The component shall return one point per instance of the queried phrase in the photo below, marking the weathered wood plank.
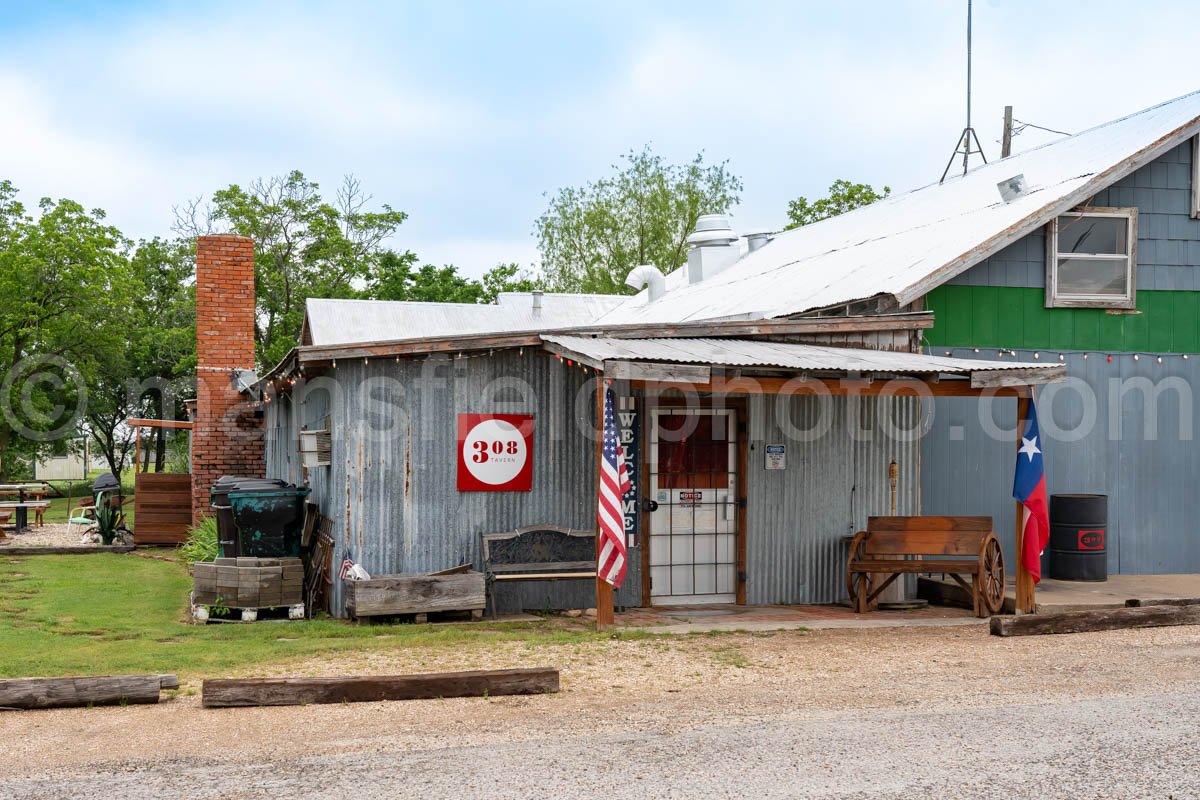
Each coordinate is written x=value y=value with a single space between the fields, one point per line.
x=83 y=691
x=1101 y=620
x=416 y=594
x=983 y=524
x=17 y=550
x=1163 y=601
x=241 y=692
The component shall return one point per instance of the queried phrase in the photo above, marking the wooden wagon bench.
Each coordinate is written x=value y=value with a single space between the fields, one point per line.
x=954 y=546
x=537 y=553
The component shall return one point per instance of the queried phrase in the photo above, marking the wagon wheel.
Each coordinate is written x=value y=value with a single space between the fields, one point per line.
x=859 y=584
x=993 y=577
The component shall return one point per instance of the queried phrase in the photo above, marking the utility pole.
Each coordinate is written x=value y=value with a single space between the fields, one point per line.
x=1006 y=140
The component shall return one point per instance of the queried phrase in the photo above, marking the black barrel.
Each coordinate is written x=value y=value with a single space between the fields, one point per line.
x=1079 y=537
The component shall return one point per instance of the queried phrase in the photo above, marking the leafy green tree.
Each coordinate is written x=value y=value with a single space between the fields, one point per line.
x=63 y=296
x=843 y=196
x=398 y=278
x=591 y=236
x=150 y=369
x=506 y=278
x=305 y=246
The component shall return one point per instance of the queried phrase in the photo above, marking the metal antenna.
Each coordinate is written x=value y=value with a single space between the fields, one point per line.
x=968 y=135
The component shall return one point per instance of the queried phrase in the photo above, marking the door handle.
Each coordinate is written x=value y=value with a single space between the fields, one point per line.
x=649 y=506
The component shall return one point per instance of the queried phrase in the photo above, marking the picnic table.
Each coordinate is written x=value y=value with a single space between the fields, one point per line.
x=21 y=508
x=24 y=491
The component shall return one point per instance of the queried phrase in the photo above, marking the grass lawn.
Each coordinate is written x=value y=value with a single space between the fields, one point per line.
x=108 y=614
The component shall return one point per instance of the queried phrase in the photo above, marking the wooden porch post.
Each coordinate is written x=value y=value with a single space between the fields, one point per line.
x=1026 y=601
x=604 y=590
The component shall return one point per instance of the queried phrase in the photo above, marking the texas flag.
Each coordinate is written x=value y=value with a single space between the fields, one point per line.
x=1029 y=488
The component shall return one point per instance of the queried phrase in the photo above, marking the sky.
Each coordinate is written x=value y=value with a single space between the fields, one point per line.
x=466 y=115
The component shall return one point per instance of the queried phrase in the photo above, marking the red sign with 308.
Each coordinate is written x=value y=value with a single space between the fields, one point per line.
x=495 y=452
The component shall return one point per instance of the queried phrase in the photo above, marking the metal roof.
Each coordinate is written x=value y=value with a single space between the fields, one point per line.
x=333 y=322
x=907 y=244
x=757 y=353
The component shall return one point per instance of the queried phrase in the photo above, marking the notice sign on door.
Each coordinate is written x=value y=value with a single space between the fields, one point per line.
x=777 y=456
x=495 y=452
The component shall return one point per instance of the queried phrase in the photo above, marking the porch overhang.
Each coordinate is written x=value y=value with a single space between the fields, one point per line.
x=752 y=366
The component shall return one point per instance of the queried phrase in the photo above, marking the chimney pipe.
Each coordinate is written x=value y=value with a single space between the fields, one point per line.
x=537 y=302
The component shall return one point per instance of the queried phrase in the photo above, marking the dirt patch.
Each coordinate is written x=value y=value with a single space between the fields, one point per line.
x=661 y=684
x=51 y=535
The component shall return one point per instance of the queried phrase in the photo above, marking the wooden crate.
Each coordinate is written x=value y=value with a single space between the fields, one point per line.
x=248 y=583
x=418 y=594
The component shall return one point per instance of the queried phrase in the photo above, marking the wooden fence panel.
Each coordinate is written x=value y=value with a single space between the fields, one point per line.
x=162 y=507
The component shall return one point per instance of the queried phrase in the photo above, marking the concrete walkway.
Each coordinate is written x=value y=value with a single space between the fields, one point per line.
x=1054 y=596
x=727 y=618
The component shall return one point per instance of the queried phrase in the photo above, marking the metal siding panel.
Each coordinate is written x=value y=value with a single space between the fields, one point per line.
x=797 y=518
x=391 y=489
x=1150 y=483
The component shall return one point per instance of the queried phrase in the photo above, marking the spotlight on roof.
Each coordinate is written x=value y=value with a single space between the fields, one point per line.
x=1012 y=188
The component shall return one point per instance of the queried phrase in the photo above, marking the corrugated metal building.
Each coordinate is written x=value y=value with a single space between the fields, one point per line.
x=759 y=511
x=738 y=497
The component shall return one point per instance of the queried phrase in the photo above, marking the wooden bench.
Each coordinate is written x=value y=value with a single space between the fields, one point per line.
x=954 y=546
x=537 y=553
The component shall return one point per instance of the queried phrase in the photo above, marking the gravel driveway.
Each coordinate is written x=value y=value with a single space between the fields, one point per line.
x=845 y=714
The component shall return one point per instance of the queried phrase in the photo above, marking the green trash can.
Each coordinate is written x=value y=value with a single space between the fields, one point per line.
x=269 y=521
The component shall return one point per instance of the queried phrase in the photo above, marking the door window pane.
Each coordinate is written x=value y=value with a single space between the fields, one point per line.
x=693 y=451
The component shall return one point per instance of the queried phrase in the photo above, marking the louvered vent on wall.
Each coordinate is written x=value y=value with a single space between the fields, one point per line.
x=316 y=448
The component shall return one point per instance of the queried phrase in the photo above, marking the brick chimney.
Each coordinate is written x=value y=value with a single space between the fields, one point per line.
x=227 y=438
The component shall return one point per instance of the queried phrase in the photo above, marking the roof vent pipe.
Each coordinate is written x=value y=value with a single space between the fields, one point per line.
x=647 y=276
x=714 y=247
x=537 y=302
x=756 y=240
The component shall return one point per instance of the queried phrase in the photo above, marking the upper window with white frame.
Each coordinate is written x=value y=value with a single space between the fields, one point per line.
x=1091 y=259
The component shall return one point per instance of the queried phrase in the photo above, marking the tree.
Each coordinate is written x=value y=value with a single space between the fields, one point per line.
x=304 y=246
x=63 y=297
x=398 y=278
x=591 y=236
x=843 y=196
x=148 y=371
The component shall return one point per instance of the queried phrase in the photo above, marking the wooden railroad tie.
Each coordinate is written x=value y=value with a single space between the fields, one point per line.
x=241 y=692
x=106 y=690
x=1110 y=619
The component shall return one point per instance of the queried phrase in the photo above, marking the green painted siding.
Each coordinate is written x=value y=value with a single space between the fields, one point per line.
x=1016 y=318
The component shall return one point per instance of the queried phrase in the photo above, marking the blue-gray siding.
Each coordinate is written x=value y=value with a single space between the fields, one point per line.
x=1154 y=505
x=1168 y=238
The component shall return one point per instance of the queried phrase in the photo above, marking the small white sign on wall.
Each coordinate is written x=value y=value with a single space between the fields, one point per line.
x=777 y=456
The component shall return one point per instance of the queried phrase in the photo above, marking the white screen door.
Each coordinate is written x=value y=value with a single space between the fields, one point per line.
x=693 y=532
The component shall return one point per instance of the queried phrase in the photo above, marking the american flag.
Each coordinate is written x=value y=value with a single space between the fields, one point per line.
x=347 y=565
x=614 y=483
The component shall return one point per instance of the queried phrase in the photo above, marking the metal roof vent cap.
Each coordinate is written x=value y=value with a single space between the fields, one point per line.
x=754 y=241
x=537 y=302
x=713 y=247
x=712 y=229
x=1012 y=188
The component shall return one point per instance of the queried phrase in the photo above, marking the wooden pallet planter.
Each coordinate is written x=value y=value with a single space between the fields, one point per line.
x=459 y=590
x=241 y=692
x=247 y=586
x=106 y=690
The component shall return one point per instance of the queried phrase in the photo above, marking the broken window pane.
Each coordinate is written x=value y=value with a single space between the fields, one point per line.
x=1104 y=235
